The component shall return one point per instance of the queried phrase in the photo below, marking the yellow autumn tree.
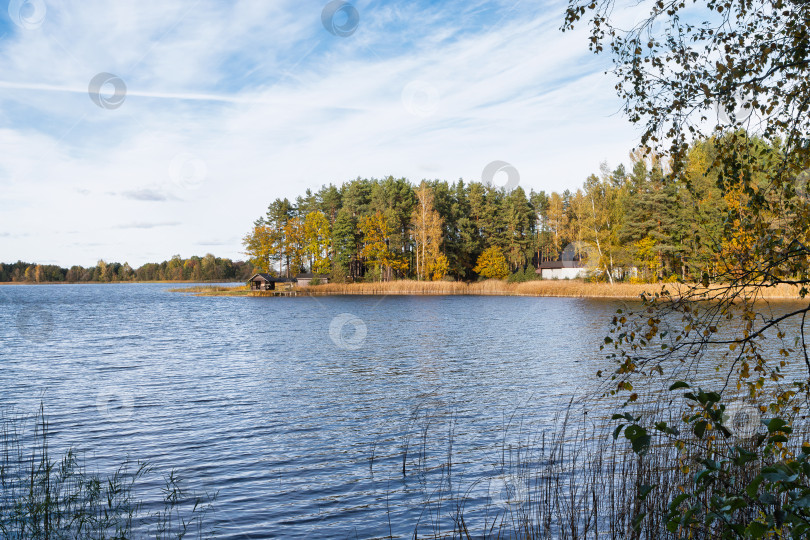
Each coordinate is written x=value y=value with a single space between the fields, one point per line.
x=318 y=233
x=260 y=247
x=492 y=264
x=376 y=232
x=296 y=244
x=426 y=225
x=438 y=267
x=647 y=256
x=737 y=247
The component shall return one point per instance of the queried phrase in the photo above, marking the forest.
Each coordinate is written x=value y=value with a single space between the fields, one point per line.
x=208 y=268
x=642 y=224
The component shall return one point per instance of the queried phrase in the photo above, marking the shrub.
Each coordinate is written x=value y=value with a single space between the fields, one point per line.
x=730 y=485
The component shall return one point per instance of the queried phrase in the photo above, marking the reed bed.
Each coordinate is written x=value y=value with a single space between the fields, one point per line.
x=494 y=287
x=574 y=288
x=214 y=290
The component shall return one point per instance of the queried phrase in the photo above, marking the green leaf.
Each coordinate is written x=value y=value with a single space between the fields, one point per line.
x=800 y=530
x=743 y=457
x=644 y=490
x=711 y=464
x=676 y=502
x=641 y=444
x=679 y=384
x=664 y=428
x=756 y=530
x=638 y=437
x=803 y=502
x=703 y=476
x=637 y=520
x=775 y=424
x=712 y=397
x=700 y=428
x=625 y=416
x=779 y=474
x=767 y=498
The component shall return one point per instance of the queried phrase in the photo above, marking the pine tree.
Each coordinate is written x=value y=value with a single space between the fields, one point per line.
x=517 y=218
x=278 y=215
x=345 y=241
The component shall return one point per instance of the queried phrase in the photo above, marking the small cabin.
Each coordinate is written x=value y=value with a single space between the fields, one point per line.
x=306 y=278
x=262 y=282
x=561 y=270
x=266 y=282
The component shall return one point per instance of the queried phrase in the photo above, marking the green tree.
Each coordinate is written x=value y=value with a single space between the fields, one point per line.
x=517 y=227
x=278 y=215
x=329 y=202
x=345 y=239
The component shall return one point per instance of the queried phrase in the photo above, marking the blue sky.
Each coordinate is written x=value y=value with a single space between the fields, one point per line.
x=229 y=105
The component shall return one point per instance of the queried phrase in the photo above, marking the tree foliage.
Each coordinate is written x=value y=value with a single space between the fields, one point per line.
x=426 y=223
x=492 y=264
x=721 y=90
x=643 y=224
x=207 y=268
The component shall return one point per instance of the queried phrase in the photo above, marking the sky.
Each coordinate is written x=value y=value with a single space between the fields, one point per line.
x=137 y=130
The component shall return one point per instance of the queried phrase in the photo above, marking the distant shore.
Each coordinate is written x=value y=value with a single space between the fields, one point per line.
x=550 y=288
x=114 y=282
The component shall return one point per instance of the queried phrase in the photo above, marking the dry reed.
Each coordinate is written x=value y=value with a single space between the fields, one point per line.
x=564 y=288
x=575 y=481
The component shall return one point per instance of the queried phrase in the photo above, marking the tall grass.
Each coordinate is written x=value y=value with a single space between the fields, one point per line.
x=44 y=498
x=575 y=481
x=566 y=288
x=213 y=290
x=576 y=288
x=563 y=288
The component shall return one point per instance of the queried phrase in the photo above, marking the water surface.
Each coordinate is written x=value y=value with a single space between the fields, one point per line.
x=298 y=411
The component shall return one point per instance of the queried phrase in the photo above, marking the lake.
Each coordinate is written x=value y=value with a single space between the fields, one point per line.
x=298 y=411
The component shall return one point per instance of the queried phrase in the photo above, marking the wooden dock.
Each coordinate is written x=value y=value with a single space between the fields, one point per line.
x=275 y=293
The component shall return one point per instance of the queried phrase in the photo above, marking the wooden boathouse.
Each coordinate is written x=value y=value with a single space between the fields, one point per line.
x=266 y=282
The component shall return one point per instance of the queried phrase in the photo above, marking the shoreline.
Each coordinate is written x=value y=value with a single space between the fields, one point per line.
x=111 y=282
x=546 y=288
x=574 y=288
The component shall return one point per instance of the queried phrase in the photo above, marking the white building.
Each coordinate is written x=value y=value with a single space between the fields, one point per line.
x=561 y=270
